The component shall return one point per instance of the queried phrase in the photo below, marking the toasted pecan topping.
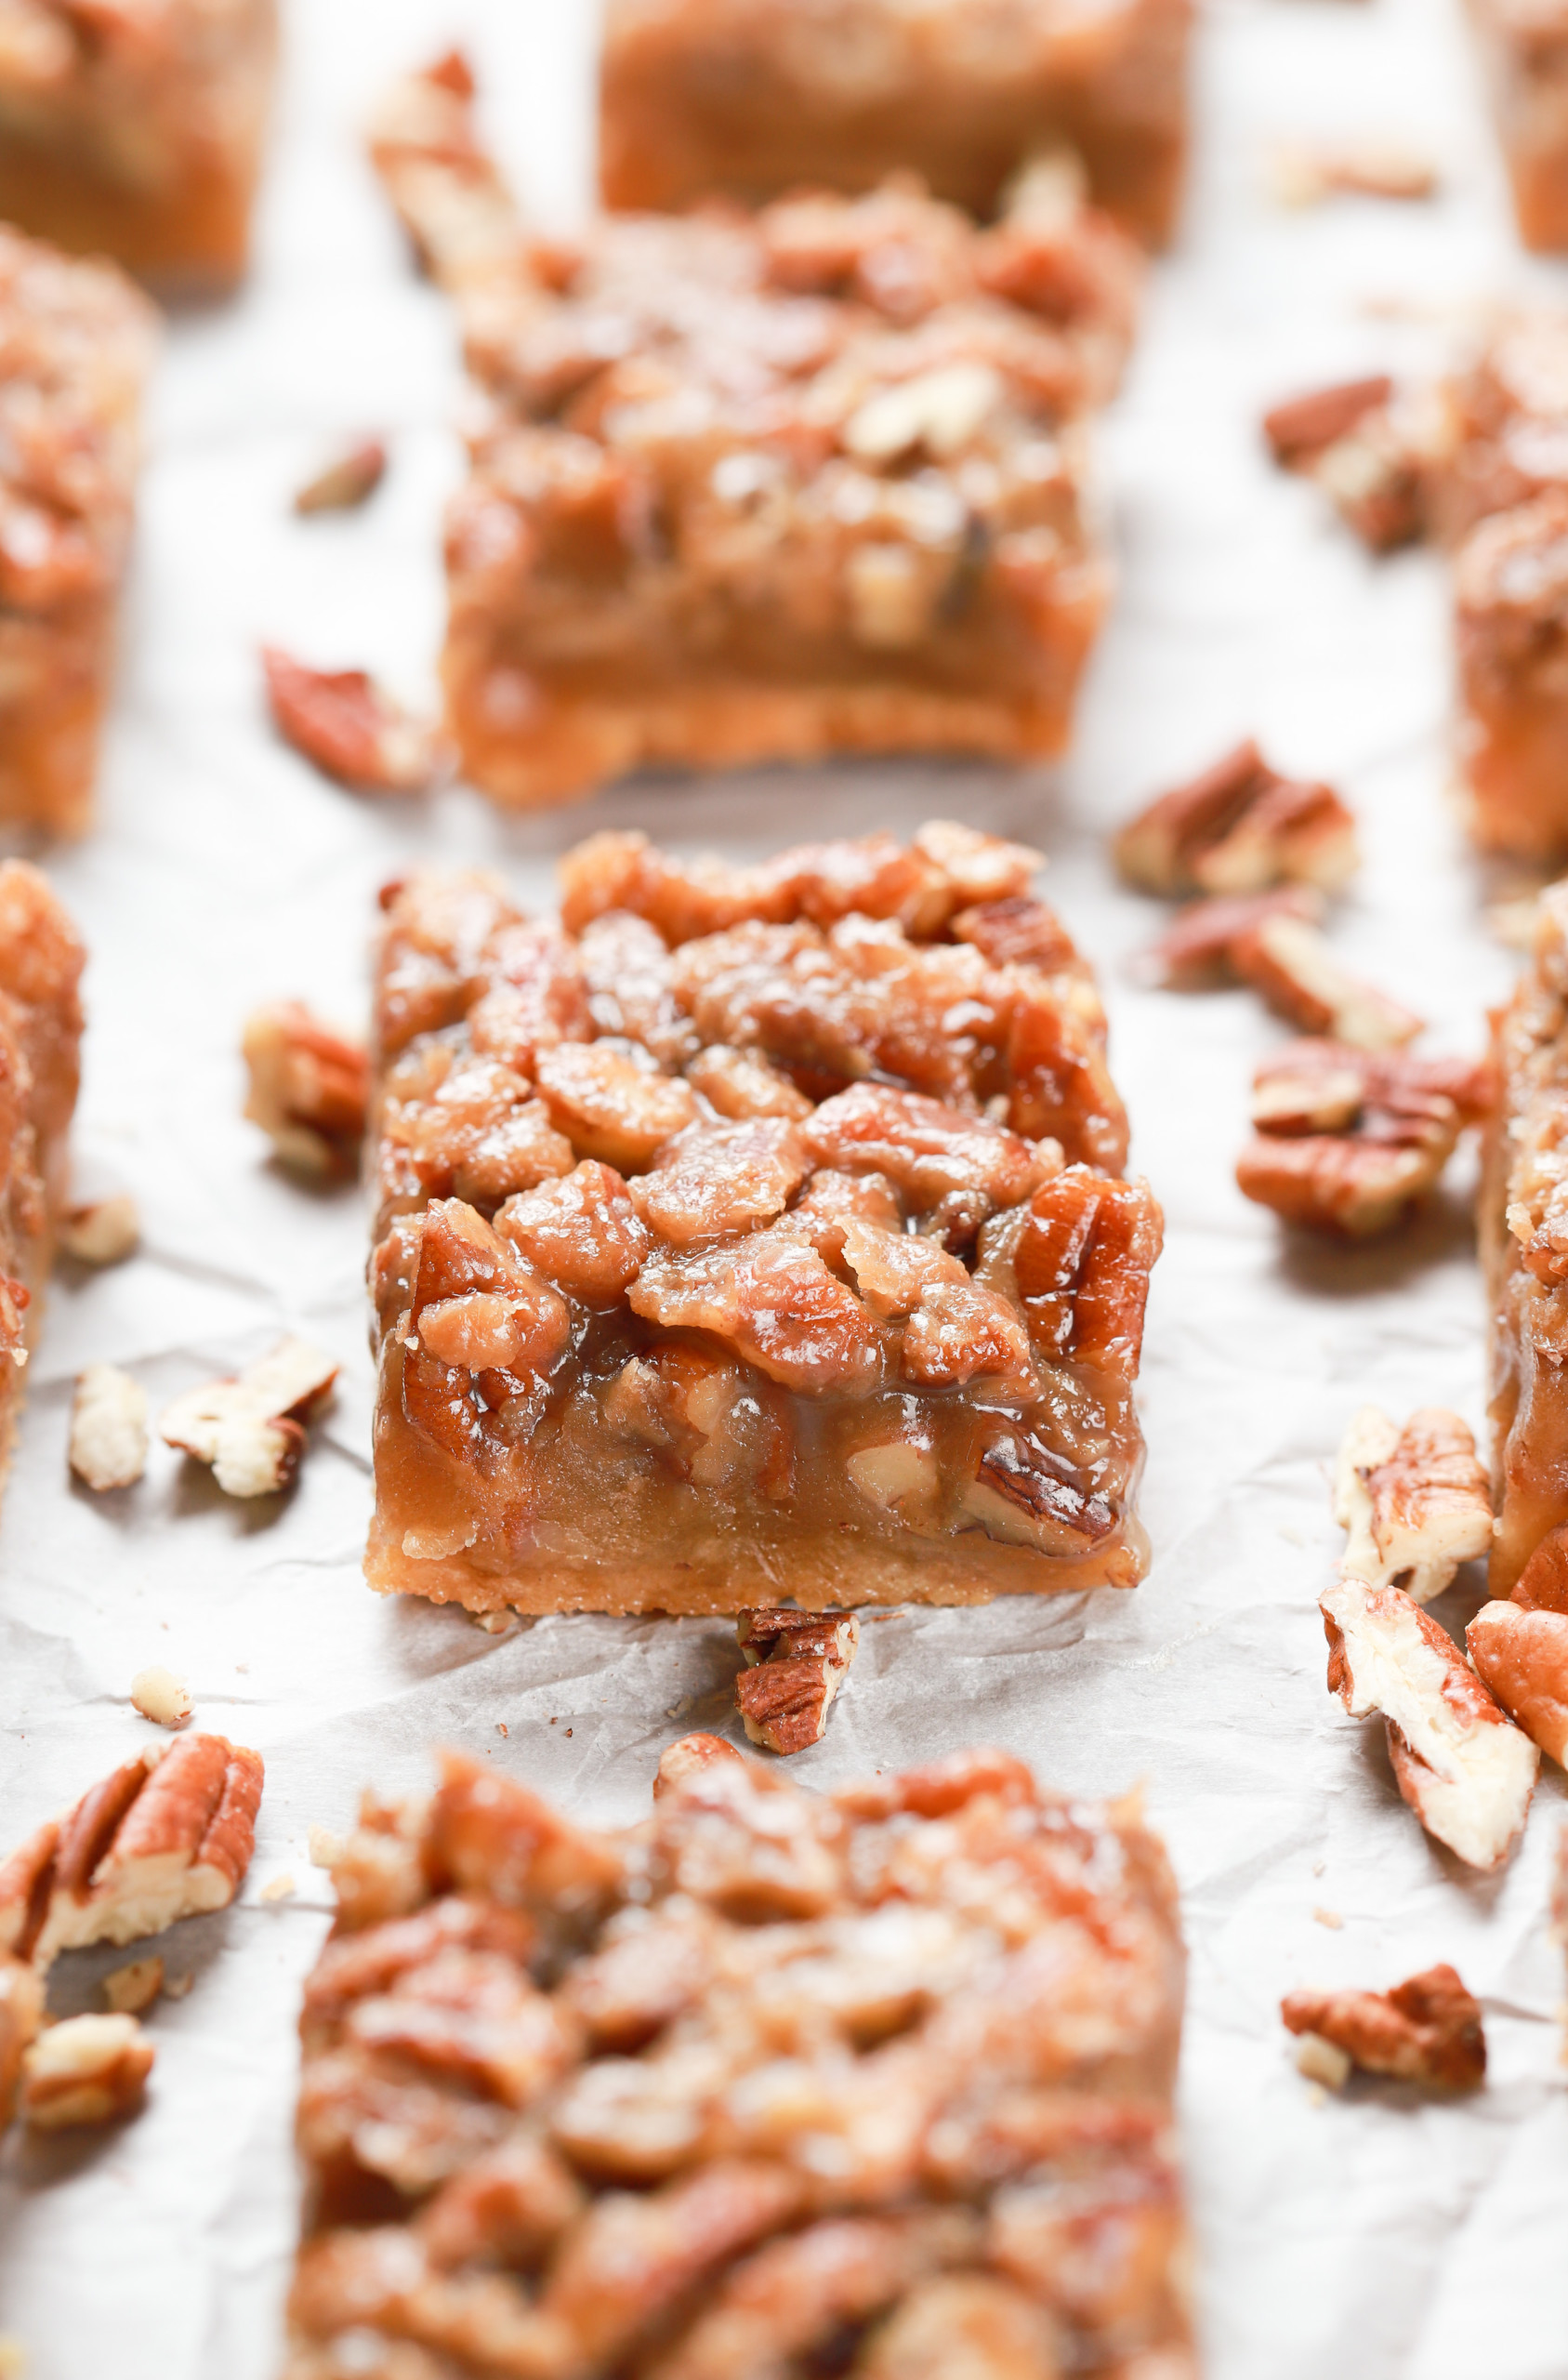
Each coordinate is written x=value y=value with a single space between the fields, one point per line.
x=307 y=1089
x=1239 y=827
x=1427 y=2029
x=1414 y=1503
x=1465 y=1770
x=796 y=1663
x=348 y=727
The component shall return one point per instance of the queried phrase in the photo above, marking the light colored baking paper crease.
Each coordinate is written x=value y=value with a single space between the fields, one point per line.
x=1371 y=2236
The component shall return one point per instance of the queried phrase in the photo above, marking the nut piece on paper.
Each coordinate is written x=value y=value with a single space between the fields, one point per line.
x=89 y=2070
x=1304 y=173
x=108 y=1446
x=1347 y=1141
x=251 y=1429
x=169 y=1834
x=746 y=2084
x=162 y=1697
x=1198 y=951
x=131 y=1989
x=1239 y=827
x=105 y=1230
x=351 y=728
x=307 y=1089
x=1427 y=2029
x=1297 y=971
x=21 y=2014
x=796 y=1661
x=350 y=478
x=1465 y=1770
x=690 y=1760
x=1414 y=1502
x=1367 y=448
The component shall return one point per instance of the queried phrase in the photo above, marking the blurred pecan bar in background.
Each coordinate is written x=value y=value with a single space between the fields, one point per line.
x=1524 y=47
x=133 y=128
x=1525 y=1247
x=751 y=1225
x=753 y=98
x=41 y=963
x=769 y=486
x=877 y=2083
x=76 y=347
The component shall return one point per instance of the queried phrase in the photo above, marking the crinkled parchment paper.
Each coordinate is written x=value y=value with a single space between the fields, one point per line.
x=1371 y=2236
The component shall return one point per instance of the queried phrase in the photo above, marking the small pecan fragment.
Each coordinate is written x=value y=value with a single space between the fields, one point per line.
x=692 y=1759
x=167 y=1835
x=351 y=477
x=1304 y=174
x=1414 y=1502
x=796 y=1661
x=251 y=1429
x=1301 y=427
x=1465 y=1770
x=1427 y=2029
x=1295 y=968
x=108 y=1428
x=349 y=728
x=89 y=2070
x=162 y=1697
x=307 y=1089
x=1239 y=827
x=1348 y=1140
x=102 y=1231
x=1366 y=452
x=21 y=2013
x=132 y=1988
x=1198 y=950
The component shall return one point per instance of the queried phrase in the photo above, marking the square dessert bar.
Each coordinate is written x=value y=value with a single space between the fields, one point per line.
x=41 y=963
x=773 y=2085
x=133 y=128
x=1524 y=47
x=751 y=1233
x=1523 y=1215
x=75 y=346
x=752 y=97
x=768 y=486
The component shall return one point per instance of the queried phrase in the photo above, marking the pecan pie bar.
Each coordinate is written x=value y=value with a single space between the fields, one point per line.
x=767 y=486
x=41 y=963
x=753 y=98
x=769 y=2086
x=1524 y=47
x=751 y=1232
x=133 y=128
x=75 y=345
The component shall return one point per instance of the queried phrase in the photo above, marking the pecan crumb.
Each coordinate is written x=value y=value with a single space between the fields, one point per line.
x=132 y=1988
x=88 y=2069
x=1305 y=173
x=350 y=477
x=251 y=1429
x=1329 y=1917
x=104 y=1231
x=162 y=1697
x=1347 y=1141
x=1427 y=2029
x=277 y=1888
x=1365 y=449
x=108 y=1446
x=178 y=1985
x=1240 y=826
x=796 y=1661
x=1322 y=2061
x=309 y=1087
x=349 y=727
x=1414 y=1503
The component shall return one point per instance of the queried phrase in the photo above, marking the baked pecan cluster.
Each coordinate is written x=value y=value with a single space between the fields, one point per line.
x=743 y=1175
x=876 y=2082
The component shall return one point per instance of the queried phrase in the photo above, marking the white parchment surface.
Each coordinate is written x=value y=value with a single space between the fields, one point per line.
x=1368 y=2237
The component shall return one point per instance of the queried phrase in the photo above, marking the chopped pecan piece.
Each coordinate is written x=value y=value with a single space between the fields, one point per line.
x=1304 y=174
x=1365 y=449
x=742 y=1084
x=21 y=2013
x=581 y=1231
x=162 y=1697
x=613 y=1102
x=87 y=2070
x=1427 y=2029
x=351 y=477
x=101 y=1231
x=166 y=1836
x=134 y=1987
x=108 y=1428
x=692 y=1759
x=1239 y=827
x=1200 y=948
x=1081 y=1263
x=1414 y=1503
x=714 y=1180
x=773 y=1301
x=1295 y=968
x=307 y=1089
x=1465 y=1770
x=251 y=1430
x=1348 y=1140
x=796 y=1663
x=1299 y=428
x=953 y=1168
x=343 y=722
